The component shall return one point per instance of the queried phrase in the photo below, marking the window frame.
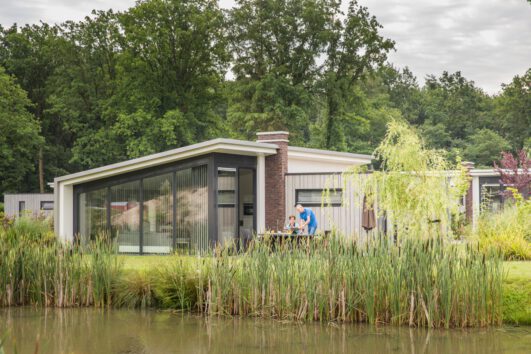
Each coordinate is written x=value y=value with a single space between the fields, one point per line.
x=21 y=207
x=321 y=203
x=42 y=202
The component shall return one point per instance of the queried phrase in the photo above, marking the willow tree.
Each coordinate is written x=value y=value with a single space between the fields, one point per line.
x=417 y=188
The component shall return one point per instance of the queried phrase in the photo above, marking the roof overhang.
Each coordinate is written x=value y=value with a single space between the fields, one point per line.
x=301 y=153
x=228 y=146
x=476 y=172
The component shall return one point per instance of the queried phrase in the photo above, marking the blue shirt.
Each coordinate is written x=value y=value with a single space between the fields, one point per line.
x=309 y=212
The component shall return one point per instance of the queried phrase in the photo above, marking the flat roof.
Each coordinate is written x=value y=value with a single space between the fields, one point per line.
x=234 y=146
x=329 y=153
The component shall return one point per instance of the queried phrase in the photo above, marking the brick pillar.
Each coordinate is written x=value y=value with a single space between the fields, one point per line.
x=469 y=204
x=276 y=167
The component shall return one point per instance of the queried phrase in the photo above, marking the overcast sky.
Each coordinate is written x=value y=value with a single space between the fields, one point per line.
x=488 y=40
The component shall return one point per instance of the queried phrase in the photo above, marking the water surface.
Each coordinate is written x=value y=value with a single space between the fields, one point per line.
x=124 y=331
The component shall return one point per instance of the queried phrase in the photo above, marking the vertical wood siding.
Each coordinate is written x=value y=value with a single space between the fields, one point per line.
x=32 y=200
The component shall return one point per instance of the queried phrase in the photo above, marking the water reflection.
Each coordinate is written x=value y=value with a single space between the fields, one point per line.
x=120 y=331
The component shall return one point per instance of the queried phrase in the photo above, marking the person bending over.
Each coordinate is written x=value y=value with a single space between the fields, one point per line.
x=307 y=219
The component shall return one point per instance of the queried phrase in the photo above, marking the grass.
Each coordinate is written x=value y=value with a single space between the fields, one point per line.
x=517 y=293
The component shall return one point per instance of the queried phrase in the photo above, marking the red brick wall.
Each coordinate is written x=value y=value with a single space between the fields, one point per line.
x=276 y=167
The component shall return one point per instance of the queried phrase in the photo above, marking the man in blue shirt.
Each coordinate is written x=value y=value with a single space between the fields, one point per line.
x=307 y=218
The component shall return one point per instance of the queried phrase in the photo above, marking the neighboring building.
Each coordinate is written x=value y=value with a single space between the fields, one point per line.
x=487 y=190
x=32 y=204
x=204 y=194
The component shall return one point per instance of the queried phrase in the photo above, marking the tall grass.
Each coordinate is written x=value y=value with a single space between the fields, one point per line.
x=36 y=269
x=428 y=283
x=416 y=283
x=508 y=230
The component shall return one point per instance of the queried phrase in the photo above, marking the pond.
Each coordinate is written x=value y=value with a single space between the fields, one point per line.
x=124 y=331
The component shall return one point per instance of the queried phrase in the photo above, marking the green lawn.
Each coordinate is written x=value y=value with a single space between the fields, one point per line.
x=518 y=270
x=517 y=293
x=515 y=270
x=149 y=262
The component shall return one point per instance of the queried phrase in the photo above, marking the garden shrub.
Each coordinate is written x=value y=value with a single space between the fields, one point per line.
x=508 y=230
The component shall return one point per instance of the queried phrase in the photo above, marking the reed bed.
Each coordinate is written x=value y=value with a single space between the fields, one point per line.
x=36 y=269
x=416 y=283
x=424 y=284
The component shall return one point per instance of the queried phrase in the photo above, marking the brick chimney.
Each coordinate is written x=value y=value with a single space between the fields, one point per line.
x=469 y=204
x=276 y=167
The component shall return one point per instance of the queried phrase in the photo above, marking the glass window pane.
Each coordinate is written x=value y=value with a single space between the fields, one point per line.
x=492 y=199
x=92 y=214
x=158 y=214
x=226 y=204
x=318 y=196
x=46 y=205
x=125 y=216
x=192 y=209
x=21 y=207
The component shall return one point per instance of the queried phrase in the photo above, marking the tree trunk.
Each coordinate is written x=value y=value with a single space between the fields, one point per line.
x=41 y=171
x=330 y=122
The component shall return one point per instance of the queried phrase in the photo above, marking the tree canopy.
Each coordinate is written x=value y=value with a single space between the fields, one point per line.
x=167 y=73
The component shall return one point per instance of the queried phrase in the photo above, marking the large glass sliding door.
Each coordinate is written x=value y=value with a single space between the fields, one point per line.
x=157 y=223
x=125 y=216
x=92 y=214
x=235 y=204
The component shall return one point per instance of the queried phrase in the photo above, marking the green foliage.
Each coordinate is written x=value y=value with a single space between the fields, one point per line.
x=36 y=269
x=355 y=47
x=134 y=290
x=19 y=135
x=144 y=134
x=419 y=283
x=414 y=187
x=119 y=85
x=514 y=110
x=508 y=230
x=517 y=302
x=484 y=147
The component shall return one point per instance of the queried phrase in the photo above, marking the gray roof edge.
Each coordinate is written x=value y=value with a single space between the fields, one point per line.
x=243 y=143
x=330 y=152
x=36 y=193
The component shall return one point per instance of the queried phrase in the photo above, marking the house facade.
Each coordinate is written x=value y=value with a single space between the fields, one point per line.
x=205 y=194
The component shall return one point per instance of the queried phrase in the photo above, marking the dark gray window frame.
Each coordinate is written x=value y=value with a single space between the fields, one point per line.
x=231 y=161
x=490 y=180
x=212 y=161
x=21 y=207
x=322 y=190
x=46 y=201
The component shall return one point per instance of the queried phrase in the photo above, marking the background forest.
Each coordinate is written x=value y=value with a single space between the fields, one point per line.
x=168 y=73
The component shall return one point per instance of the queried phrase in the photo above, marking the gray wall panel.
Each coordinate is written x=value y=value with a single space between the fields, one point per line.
x=32 y=204
x=345 y=218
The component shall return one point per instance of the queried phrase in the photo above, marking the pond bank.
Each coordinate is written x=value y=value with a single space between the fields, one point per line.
x=88 y=330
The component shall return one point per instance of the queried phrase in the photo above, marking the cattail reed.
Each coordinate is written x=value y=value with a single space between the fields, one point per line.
x=417 y=283
x=421 y=283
